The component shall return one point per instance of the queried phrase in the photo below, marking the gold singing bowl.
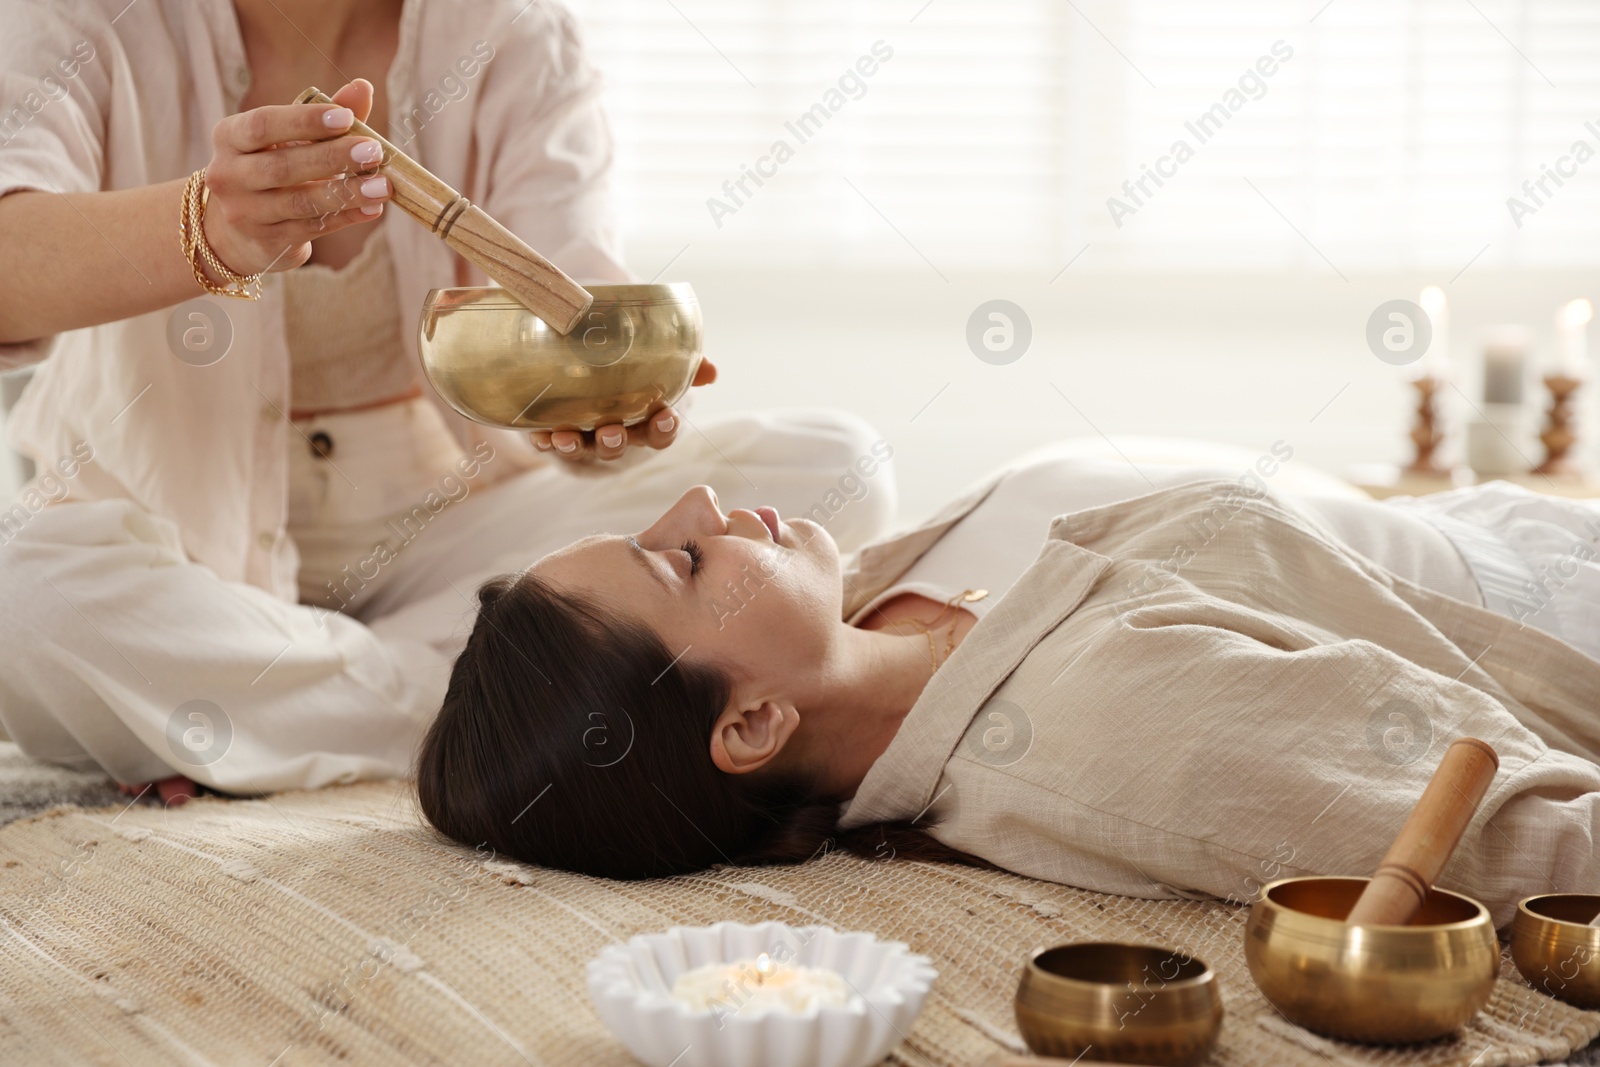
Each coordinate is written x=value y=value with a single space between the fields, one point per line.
x=1556 y=949
x=496 y=362
x=1110 y=1001
x=1370 y=983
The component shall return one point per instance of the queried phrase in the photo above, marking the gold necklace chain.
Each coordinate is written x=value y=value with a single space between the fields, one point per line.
x=952 y=607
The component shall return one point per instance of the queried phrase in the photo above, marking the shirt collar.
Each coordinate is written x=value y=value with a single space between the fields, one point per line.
x=879 y=565
x=900 y=784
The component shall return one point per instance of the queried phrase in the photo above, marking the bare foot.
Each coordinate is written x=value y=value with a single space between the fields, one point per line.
x=172 y=791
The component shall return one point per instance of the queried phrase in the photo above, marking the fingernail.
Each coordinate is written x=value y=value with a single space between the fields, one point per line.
x=367 y=152
x=338 y=118
x=666 y=423
x=375 y=187
x=372 y=209
x=611 y=440
x=567 y=446
x=542 y=446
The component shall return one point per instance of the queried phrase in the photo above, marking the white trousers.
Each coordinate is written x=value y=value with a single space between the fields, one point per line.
x=118 y=651
x=1536 y=558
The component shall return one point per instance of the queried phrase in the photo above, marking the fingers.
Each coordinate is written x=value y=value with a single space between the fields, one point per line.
x=610 y=442
x=314 y=200
x=705 y=374
x=569 y=444
x=288 y=244
x=263 y=127
x=283 y=167
x=299 y=231
x=661 y=428
x=357 y=96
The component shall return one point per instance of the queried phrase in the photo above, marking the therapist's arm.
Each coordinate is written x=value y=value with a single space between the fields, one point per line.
x=69 y=260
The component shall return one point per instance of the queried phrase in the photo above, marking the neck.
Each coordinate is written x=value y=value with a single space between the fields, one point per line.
x=296 y=27
x=864 y=694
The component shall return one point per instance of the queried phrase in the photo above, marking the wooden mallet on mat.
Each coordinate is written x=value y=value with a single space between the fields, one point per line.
x=1429 y=835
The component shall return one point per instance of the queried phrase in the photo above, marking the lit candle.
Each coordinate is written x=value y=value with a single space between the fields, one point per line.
x=1572 y=338
x=1436 y=360
x=760 y=984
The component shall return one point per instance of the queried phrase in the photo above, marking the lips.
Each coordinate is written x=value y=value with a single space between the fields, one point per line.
x=769 y=518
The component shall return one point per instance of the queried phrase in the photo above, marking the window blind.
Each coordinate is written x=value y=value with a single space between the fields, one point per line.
x=1000 y=134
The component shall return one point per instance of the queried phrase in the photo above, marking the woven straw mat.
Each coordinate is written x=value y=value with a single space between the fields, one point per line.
x=333 y=926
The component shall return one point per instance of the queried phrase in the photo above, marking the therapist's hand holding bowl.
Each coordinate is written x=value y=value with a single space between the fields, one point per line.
x=610 y=442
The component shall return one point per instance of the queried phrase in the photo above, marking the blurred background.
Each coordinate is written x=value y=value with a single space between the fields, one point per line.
x=976 y=162
x=938 y=155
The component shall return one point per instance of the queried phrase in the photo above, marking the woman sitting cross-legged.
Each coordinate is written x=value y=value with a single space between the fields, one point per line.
x=1185 y=692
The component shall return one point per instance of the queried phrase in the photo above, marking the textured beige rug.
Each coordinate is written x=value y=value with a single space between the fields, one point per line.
x=323 y=927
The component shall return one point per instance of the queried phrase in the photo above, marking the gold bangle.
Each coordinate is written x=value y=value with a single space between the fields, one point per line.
x=191 y=233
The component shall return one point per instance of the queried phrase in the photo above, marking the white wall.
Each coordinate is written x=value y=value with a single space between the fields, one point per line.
x=1242 y=359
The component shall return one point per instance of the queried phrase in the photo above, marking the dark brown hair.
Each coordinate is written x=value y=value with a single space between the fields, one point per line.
x=571 y=737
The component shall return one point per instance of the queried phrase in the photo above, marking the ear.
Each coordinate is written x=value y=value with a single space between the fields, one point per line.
x=747 y=739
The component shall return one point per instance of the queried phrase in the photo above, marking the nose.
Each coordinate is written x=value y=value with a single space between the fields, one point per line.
x=696 y=514
x=701 y=505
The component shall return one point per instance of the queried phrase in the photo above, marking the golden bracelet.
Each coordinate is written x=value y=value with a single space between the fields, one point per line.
x=191 y=232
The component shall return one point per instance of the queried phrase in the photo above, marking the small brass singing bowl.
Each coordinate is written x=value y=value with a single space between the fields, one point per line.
x=496 y=362
x=1556 y=949
x=1370 y=983
x=1103 y=1000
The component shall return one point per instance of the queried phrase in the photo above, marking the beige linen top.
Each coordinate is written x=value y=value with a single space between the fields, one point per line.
x=496 y=97
x=1196 y=691
x=344 y=332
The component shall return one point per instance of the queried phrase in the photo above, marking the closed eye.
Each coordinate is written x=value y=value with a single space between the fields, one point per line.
x=692 y=550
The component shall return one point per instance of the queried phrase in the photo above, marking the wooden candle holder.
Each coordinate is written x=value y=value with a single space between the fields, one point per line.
x=1426 y=433
x=482 y=241
x=1560 y=434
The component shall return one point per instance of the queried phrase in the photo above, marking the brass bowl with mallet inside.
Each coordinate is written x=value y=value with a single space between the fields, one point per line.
x=635 y=350
x=1370 y=983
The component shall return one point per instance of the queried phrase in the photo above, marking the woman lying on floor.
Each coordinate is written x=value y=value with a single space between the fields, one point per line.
x=1187 y=692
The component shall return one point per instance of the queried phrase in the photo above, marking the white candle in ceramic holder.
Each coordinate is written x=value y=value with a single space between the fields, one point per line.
x=1505 y=360
x=1496 y=439
x=760 y=984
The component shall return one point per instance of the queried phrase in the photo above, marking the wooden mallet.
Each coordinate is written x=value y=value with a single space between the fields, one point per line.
x=498 y=252
x=1429 y=835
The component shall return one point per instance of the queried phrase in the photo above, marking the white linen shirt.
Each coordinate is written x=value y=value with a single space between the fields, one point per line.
x=206 y=446
x=1196 y=691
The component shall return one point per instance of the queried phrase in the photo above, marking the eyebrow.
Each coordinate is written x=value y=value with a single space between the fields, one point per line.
x=644 y=561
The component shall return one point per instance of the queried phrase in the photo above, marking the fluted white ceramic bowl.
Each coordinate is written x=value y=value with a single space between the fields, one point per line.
x=631 y=986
